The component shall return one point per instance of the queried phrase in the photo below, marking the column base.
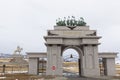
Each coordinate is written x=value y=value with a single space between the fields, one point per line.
x=90 y=72
x=57 y=72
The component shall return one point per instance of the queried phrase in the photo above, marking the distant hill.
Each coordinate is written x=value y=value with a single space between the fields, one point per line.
x=2 y=55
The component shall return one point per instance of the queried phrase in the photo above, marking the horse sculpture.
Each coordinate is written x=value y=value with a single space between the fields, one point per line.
x=18 y=50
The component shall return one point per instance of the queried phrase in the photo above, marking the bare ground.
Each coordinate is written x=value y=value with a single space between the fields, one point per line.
x=33 y=77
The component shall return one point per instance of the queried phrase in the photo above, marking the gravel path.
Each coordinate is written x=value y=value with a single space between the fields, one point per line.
x=83 y=78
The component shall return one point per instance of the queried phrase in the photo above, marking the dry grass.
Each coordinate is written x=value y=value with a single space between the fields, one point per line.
x=24 y=76
x=70 y=64
x=5 y=59
x=13 y=68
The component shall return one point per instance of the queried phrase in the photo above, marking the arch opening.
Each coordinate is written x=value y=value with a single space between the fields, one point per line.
x=71 y=62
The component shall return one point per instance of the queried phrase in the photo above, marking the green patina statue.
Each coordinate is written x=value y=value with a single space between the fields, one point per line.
x=70 y=22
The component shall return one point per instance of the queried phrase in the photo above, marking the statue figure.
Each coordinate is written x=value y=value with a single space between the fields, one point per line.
x=64 y=21
x=68 y=21
x=81 y=22
x=71 y=22
x=18 y=50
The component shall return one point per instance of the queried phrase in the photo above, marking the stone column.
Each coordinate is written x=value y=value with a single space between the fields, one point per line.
x=109 y=65
x=33 y=66
x=91 y=63
x=54 y=59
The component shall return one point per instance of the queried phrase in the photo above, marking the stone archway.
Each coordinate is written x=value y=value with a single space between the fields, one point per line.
x=82 y=39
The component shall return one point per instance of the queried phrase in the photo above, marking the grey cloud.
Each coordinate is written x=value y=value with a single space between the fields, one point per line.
x=25 y=21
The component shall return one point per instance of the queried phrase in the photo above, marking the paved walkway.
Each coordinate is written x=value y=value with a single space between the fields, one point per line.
x=83 y=78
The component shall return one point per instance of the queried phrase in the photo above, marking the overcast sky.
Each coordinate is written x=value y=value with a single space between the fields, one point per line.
x=25 y=22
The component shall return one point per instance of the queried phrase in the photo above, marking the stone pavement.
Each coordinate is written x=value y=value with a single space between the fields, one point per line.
x=85 y=78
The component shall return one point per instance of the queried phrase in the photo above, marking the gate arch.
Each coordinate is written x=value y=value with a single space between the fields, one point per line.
x=79 y=50
x=83 y=40
x=80 y=38
x=80 y=56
